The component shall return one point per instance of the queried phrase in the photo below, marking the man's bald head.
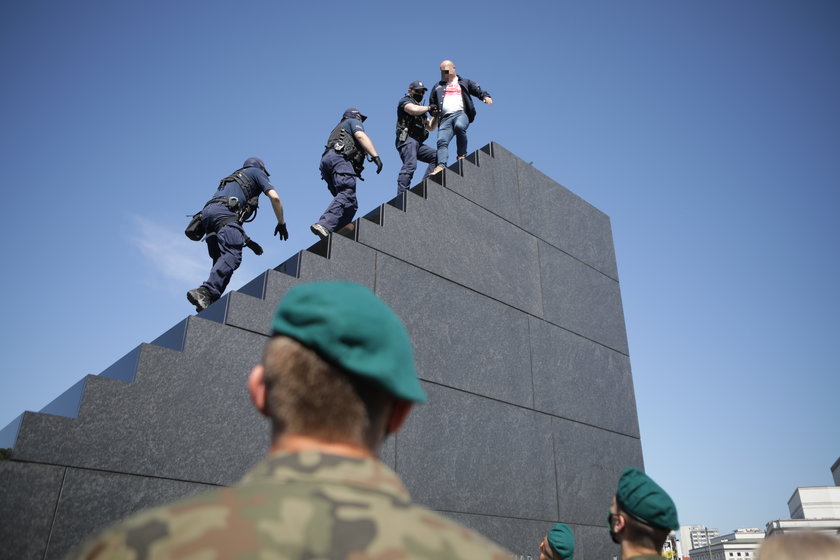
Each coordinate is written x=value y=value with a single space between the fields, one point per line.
x=447 y=70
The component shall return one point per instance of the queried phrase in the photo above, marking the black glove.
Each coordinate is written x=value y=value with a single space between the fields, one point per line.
x=433 y=110
x=254 y=246
x=378 y=163
x=282 y=232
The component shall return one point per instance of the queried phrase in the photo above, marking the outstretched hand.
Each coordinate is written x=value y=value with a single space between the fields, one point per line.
x=282 y=232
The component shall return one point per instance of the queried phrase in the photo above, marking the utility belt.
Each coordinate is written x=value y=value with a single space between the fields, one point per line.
x=196 y=231
x=230 y=201
x=404 y=132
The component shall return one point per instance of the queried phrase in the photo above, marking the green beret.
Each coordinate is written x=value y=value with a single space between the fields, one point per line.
x=348 y=326
x=562 y=541
x=638 y=495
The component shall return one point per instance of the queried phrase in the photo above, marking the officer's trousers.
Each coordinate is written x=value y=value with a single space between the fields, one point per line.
x=341 y=181
x=410 y=151
x=225 y=248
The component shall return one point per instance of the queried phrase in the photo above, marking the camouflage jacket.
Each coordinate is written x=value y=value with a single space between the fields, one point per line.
x=297 y=505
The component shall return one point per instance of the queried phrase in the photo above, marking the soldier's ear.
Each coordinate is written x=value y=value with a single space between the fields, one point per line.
x=256 y=388
x=399 y=413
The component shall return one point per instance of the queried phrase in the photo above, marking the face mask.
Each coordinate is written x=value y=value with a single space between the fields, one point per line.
x=613 y=536
x=418 y=97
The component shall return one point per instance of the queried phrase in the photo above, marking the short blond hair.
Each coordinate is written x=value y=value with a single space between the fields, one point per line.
x=807 y=545
x=307 y=396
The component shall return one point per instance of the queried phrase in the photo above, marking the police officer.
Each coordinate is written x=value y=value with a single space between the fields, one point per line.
x=641 y=516
x=234 y=203
x=336 y=378
x=558 y=544
x=413 y=128
x=342 y=161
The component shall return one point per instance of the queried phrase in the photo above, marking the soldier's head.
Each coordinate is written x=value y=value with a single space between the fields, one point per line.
x=417 y=90
x=558 y=544
x=339 y=368
x=641 y=512
x=447 y=70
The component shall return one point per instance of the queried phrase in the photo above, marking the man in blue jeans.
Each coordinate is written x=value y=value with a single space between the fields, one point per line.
x=343 y=161
x=451 y=101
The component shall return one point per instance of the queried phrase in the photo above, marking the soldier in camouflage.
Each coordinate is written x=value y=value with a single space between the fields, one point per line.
x=335 y=380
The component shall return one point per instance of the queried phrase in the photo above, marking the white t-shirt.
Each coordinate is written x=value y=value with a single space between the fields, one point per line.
x=452 y=100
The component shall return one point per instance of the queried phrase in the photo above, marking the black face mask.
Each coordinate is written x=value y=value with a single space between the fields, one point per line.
x=418 y=97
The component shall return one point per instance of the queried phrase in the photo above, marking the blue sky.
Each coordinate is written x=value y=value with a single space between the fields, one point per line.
x=708 y=131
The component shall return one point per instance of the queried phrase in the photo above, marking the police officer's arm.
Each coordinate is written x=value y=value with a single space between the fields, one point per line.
x=414 y=109
x=277 y=206
x=367 y=144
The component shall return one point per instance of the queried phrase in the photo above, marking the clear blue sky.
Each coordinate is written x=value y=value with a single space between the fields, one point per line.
x=708 y=131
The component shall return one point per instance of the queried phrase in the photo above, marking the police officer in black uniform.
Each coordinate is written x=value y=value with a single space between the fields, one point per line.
x=413 y=126
x=342 y=161
x=234 y=203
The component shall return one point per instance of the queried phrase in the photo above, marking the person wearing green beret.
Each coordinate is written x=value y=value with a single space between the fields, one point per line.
x=558 y=544
x=336 y=378
x=641 y=516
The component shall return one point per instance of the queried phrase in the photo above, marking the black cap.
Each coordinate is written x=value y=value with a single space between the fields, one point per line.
x=353 y=113
x=417 y=84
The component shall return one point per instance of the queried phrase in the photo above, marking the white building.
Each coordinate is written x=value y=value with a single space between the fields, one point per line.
x=695 y=536
x=740 y=545
x=815 y=502
x=812 y=508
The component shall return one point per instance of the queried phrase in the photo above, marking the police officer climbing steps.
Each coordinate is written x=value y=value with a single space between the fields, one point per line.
x=234 y=203
x=341 y=163
x=413 y=128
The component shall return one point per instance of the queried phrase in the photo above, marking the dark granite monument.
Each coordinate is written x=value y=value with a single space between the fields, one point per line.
x=508 y=285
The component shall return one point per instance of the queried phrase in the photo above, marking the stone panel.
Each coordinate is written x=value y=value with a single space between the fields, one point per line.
x=277 y=284
x=490 y=184
x=462 y=453
x=348 y=261
x=558 y=216
x=589 y=461
x=520 y=536
x=28 y=494
x=448 y=235
x=579 y=298
x=250 y=313
x=93 y=500
x=581 y=380
x=461 y=339
x=187 y=415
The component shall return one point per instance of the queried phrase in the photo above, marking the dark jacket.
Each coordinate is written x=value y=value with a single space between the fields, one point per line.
x=414 y=124
x=468 y=87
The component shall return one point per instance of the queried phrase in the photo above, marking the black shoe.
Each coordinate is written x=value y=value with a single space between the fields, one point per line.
x=319 y=230
x=200 y=297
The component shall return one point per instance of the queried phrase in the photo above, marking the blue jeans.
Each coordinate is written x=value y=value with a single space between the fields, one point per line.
x=453 y=123
x=410 y=151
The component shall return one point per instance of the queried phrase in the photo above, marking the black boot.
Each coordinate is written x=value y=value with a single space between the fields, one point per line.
x=200 y=297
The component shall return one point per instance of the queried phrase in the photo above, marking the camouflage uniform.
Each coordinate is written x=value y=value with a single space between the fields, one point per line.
x=297 y=505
